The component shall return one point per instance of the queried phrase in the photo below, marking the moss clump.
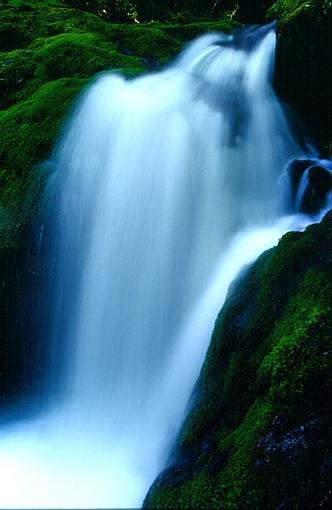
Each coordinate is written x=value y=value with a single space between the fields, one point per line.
x=80 y=55
x=28 y=131
x=153 y=44
x=16 y=69
x=71 y=55
x=259 y=434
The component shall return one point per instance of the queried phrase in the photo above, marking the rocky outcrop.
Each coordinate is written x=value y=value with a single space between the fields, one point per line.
x=259 y=433
x=310 y=184
x=304 y=64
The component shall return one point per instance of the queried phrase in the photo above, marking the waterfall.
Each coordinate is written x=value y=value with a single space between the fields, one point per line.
x=164 y=188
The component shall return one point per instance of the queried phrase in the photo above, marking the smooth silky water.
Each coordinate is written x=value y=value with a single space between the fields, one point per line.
x=164 y=188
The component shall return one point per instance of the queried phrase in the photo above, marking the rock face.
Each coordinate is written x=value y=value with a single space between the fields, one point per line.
x=310 y=184
x=304 y=64
x=22 y=355
x=259 y=434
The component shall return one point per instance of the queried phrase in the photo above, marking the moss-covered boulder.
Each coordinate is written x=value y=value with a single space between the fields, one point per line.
x=259 y=434
x=304 y=66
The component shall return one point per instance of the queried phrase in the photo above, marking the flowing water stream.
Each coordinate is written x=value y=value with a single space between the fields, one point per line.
x=164 y=188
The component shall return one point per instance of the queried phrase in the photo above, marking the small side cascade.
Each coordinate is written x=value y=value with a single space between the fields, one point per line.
x=310 y=185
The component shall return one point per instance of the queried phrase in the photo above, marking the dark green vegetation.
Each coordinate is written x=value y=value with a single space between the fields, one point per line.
x=304 y=64
x=162 y=10
x=260 y=432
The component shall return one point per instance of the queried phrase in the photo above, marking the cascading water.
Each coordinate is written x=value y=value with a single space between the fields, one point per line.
x=156 y=178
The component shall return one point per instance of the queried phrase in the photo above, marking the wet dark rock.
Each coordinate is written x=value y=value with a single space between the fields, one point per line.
x=209 y=443
x=318 y=176
x=320 y=180
x=181 y=470
x=298 y=455
x=280 y=424
x=319 y=185
x=293 y=446
x=174 y=476
x=296 y=169
x=149 y=63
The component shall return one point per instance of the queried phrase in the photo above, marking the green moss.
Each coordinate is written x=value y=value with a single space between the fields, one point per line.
x=151 y=43
x=289 y=10
x=80 y=55
x=301 y=341
x=238 y=478
x=270 y=356
x=28 y=131
x=22 y=72
x=71 y=54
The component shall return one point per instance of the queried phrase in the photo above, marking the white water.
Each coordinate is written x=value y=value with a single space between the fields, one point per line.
x=167 y=189
x=304 y=183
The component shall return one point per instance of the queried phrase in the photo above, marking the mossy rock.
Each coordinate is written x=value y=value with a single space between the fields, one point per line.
x=304 y=69
x=80 y=55
x=153 y=44
x=259 y=434
x=28 y=131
